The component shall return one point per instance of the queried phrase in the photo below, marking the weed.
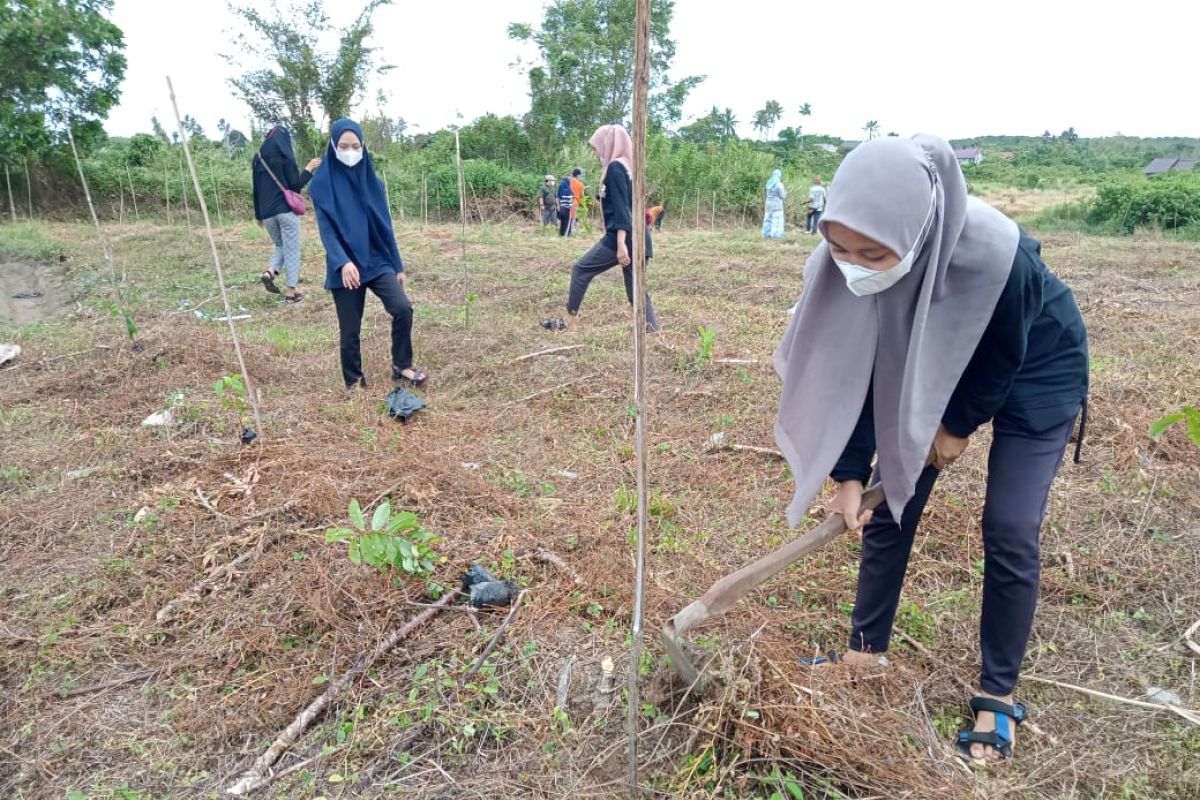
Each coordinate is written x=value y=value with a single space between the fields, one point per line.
x=393 y=540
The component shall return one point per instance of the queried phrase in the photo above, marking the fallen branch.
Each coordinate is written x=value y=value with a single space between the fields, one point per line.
x=495 y=640
x=735 y=361
x=1185 y=713
x=100 y=687
x=552 y=389
x=554 y=559
x=562 y=349
x=1187 y=636
x=717 y=442
x=259 y=773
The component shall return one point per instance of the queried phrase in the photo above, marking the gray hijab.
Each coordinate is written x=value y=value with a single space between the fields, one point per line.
x=916 y=337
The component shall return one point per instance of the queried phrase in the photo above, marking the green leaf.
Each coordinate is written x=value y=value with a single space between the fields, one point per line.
x=320 y=679
x=356 y=515
x=793 y=789
x=392 y=547
x=219 y=387
x=406 y=548
x=1193 y=423
x=1160 y=425
x=355 y=552
x=380 y=518
x=339 y=534
x=405 y=520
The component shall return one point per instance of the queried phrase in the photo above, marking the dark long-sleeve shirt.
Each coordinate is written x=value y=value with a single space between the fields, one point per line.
x=268 y=198
x=617 y=205
x=1031 y=364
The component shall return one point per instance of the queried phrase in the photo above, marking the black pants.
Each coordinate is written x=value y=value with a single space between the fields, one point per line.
x=1021 y=467
x=350 y=303
x=564 y=221
x=595 y=261
x=658 y=220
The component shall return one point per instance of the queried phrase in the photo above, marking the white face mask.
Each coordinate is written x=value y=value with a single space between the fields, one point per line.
x=350 y=157
x=863 y=281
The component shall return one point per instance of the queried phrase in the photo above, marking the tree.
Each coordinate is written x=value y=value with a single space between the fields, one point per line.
x=59 y=60
x=871 y=129
x=159 y=130
x=727 y=123
x=766 y=119
x=194 y=131
x=302 y=80
x=585 y=75
x=806 y=110
x=1069 y=136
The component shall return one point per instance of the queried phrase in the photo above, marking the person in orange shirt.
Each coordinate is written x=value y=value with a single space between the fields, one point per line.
x=654 y=216
x=577 y=188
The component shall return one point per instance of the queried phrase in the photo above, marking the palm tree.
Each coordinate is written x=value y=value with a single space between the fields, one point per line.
x=805 y=111
x=871 y=129
x=727 y=124
x=761 y=121
x=774 y=113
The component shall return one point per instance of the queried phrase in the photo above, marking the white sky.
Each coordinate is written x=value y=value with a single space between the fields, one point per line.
x=1018 y=67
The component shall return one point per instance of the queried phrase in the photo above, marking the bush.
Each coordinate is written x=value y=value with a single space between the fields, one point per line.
x=1167 y=202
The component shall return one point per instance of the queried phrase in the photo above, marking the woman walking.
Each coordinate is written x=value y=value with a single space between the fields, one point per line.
x=361 y=252
x=614 y=148
x=273 y=170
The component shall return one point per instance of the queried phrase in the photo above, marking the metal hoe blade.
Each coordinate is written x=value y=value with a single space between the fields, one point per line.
x=725 y=593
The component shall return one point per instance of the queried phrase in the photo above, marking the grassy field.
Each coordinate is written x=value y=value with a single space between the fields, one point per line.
x=168 y=602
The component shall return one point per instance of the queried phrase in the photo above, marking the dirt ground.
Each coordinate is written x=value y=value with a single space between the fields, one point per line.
x=169 y=603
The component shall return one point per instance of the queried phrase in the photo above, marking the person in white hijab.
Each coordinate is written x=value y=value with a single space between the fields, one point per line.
x=933 y=314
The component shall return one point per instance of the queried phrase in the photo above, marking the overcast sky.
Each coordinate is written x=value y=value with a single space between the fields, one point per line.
x=1020 y=67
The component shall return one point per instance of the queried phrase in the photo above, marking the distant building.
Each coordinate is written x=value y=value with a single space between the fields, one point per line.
x=1007 y=154
x=969 y=155
x=1160 y=165
x=827 y=147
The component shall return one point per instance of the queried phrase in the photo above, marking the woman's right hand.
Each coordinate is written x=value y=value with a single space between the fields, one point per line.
x=312 y=164
x=350 y=276
x=848 y=503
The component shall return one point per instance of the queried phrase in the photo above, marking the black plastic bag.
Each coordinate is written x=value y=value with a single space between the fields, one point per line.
x=402 y=404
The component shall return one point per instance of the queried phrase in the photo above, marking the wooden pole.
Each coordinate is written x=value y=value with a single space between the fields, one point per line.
x=712 y=222
x=217 y=196
x=28 y=187
x=133 y=194
x=167 y=191
x=697 y=209
x=12 y=206
x=187 y=208
x=212 y=242
x=121 y=195
x=462 y=216
x=424 y=201
x=641 y=90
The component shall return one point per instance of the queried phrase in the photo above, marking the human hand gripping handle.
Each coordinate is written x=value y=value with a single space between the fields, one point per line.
x=946 y=448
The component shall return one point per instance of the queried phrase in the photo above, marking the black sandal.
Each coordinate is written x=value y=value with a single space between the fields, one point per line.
x=268 y=281
x=1000 y=739
x=295 y=297
x=554 y=324
x=418 y=378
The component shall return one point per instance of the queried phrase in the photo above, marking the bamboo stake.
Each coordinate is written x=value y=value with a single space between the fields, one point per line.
x=121 y=195
x=424 y=201
x=133 y=194
x=12 y=206
x=167 y=192
x=28 y=187
x=259 y=773
x=251 y=395
x=641 y=88
x=462 y=216
x=130 y=328
x=187 y=209
x=712 y=222
x=217 y=195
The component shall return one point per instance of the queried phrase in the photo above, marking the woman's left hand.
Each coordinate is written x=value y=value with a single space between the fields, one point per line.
x=946 y=448
x=403 y=279
x=623 y=255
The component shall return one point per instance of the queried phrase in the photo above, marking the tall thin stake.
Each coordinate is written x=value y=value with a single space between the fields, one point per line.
x=127 y=317
x=187 y=209
x=424 y=201
x=132 y=193
x=217 y=195
x=28 y=186
x=212 y=243
x=462 y=216
x=167 y=191
x=387 y=194
x=641 y=88
x=712 y=221
x=12 y=206
x=121 y=195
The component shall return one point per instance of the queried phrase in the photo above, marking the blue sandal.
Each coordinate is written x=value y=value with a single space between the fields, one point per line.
x=1001 y=739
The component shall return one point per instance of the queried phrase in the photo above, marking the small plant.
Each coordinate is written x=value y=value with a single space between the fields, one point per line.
x=1189 y=415
x=231 y=392
x=393 y=540
x=704 y=349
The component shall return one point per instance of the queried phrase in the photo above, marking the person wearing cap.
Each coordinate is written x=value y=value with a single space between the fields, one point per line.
x=546 y=202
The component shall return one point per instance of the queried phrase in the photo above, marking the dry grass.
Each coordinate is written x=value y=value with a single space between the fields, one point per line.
x=100 y=697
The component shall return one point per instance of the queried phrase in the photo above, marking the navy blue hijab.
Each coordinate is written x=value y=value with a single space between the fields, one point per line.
x=352 y=200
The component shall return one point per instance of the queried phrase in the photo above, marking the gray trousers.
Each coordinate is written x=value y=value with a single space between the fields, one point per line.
x=1021 y=467
x=595 y=261
x=284 y=230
